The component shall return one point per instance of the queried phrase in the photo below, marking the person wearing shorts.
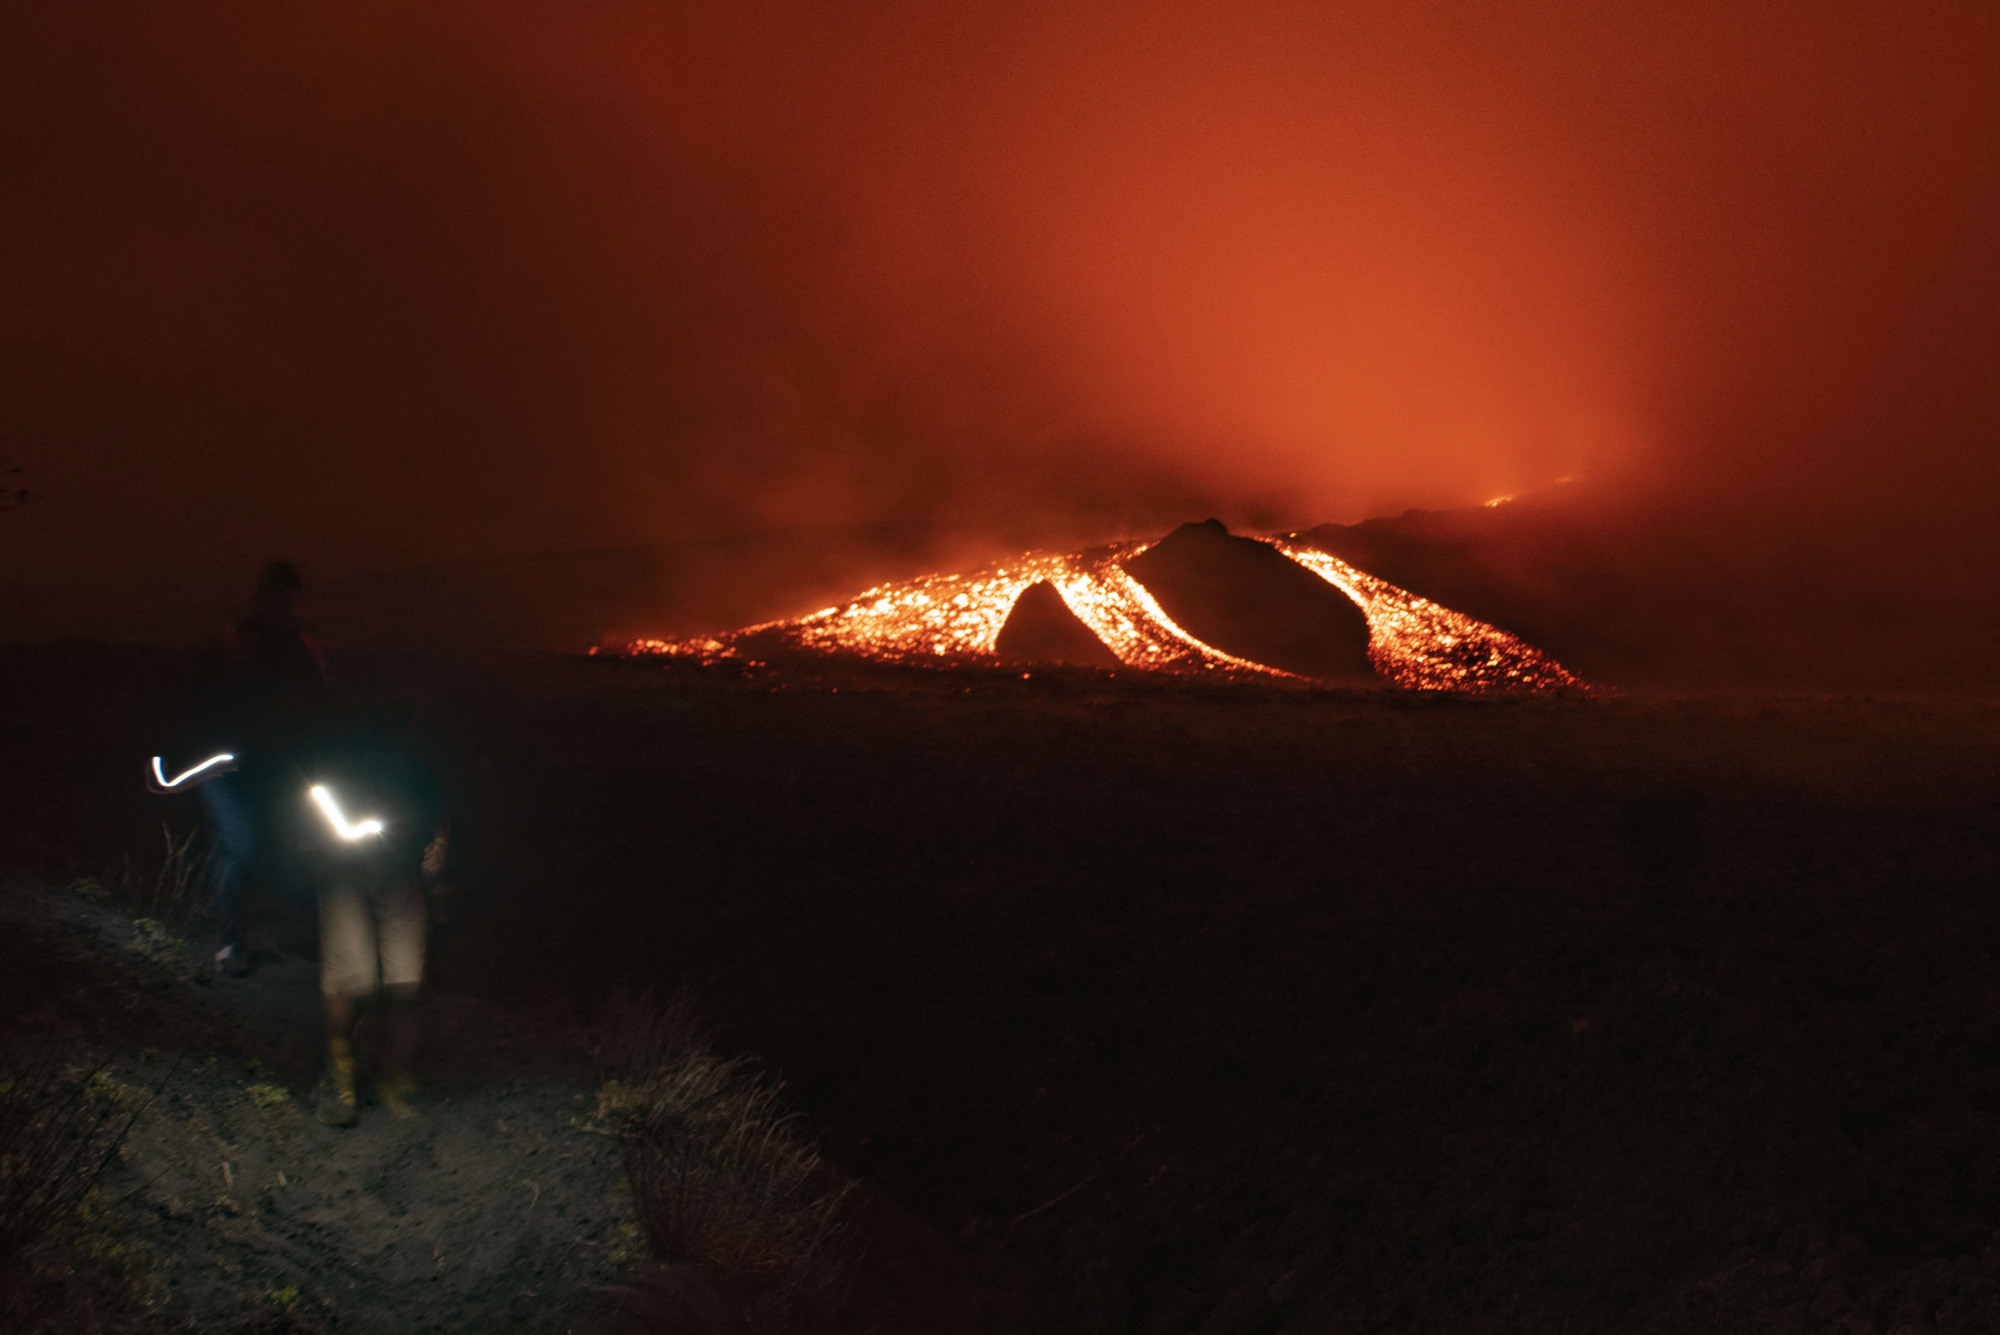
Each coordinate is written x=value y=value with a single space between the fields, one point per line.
x=379 y=836
x=371 y=943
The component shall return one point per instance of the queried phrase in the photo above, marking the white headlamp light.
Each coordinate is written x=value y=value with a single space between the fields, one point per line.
x=190 y=778
x=322 y=797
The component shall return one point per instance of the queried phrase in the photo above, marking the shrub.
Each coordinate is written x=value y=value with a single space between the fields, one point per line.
x=58 y=1129
x=719 y=1172
x=174 y=891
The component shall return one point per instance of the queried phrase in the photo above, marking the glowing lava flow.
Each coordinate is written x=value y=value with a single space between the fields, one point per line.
x=1412 y=642
x=957 y=618
x=1121 y=613
x=1424 y=646
x=938 y=616
x=954 y=617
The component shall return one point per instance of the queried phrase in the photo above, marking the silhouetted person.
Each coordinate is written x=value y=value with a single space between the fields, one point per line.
x=375 y=835
x=263 y=702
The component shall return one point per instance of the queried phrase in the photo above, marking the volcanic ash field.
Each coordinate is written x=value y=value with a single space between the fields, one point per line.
x=1153 y=1002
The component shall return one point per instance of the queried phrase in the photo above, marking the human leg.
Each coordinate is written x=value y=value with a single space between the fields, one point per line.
x=346 y=972
x=400 y=924
x=233 y=834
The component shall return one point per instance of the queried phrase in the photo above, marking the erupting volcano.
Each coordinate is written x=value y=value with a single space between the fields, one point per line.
x=1260 y=613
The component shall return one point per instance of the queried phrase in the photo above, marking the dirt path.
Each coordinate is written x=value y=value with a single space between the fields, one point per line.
x=1218 y=1011
x=499 y=1207
x=502 y=1206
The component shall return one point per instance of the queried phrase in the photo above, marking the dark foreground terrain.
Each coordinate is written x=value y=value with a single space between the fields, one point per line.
x=1240 y=1009
x=229 y=1208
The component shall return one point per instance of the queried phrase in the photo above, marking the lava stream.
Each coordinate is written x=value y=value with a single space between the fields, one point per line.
x=958 y=618
x=1424 y=646
x=1132 y=623
x=1413 y=642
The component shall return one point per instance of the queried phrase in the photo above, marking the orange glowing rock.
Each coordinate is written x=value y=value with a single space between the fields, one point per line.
x=957 y=619
x=1042 y=629
x=1423 y=646
x=1247 y=598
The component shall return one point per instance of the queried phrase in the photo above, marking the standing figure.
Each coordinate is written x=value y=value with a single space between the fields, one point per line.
x=377 y=835
x=265 y=700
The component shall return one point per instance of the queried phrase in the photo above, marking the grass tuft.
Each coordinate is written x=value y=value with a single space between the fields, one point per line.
x=172 y=894
x=58 y=1130
x=720 y=1174
x=151 y=939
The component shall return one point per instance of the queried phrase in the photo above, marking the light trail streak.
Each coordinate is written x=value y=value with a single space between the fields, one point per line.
x=213 y=766
x=323 y=797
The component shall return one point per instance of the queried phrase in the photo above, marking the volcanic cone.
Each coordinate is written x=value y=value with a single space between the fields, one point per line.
x=1248 y=599
x=1042 y=629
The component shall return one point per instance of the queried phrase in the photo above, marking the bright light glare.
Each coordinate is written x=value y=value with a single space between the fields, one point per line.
x=331 y=810
x=224 y=759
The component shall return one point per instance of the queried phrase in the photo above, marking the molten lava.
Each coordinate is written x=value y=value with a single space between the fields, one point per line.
x=956 y=619
x=1423 y=646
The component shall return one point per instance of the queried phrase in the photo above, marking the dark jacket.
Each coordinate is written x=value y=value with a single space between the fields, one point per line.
x=263 y=698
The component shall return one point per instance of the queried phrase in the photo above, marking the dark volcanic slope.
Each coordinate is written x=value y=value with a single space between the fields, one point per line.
x=1205 y=1007
x=1603 y=611
x=1248 y=599
x=1690 y=596
x=1042 y=629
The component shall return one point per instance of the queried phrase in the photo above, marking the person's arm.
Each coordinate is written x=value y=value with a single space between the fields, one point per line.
x=436 y=851
x=437 y=856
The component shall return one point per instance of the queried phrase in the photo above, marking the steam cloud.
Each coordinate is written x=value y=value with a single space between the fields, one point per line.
x=382 y=283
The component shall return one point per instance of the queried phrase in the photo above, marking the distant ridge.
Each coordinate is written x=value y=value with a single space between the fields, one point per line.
x=1688 y=596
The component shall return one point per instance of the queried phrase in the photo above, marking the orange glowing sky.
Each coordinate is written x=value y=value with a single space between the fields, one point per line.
x=377 y=285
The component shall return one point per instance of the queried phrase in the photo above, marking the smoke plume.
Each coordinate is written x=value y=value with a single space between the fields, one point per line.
x=379 y=284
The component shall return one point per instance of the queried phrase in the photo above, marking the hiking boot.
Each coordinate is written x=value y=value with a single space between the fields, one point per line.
x=337 y=1104
x=394 y=1093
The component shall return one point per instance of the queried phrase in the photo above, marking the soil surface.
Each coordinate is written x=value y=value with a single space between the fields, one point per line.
x=497 y=1207
x=1240 y=1009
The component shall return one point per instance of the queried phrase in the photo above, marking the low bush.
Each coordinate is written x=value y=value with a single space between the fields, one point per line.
x=719 y=1172
x=59 y=1127
x=172 y=893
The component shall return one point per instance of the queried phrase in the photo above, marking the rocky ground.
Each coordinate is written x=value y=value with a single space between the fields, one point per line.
x=1180 y=1008
x=501 y=1206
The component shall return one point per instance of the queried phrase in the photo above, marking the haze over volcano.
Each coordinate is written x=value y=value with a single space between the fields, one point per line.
x=381 y=288
x=1259 y=667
